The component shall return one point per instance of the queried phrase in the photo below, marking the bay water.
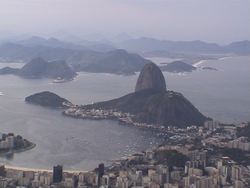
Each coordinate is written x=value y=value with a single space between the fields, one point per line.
x=81 y=144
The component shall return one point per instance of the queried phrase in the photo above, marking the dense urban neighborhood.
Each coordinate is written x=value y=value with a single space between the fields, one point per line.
x=213 y=156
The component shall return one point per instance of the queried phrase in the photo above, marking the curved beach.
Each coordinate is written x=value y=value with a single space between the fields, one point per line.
x=198 y=63
x=40 y=170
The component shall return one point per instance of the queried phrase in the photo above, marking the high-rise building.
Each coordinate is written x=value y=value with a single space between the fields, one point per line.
x=192 y=155
x=104 y=180
x=57 y=173
x=239 y=184
x=47 y=179
x=164 y=172
x=219 y=165
x=122 y=182
x=151 y=173
x=100 y=172
x=2 y=172
x=236 y=173
x=138 y=175
x=211 y=125
x=176 y=175
x=10 y=140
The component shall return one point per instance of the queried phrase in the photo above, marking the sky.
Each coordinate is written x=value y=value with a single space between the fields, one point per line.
x=219 y=21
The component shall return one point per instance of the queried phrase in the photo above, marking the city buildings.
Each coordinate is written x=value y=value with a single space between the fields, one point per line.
x=199 y=170
x=57 y=173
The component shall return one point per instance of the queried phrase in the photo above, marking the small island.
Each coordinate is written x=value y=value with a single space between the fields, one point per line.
x=48 y=99
x=178 y=67
x=9 y=144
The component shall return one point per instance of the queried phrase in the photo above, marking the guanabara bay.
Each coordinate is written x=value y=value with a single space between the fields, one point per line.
x=124 y=94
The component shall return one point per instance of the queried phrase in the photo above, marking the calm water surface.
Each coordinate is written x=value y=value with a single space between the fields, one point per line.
x=82 y=144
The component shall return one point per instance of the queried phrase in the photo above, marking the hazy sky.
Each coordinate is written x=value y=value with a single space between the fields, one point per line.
x=220 y=21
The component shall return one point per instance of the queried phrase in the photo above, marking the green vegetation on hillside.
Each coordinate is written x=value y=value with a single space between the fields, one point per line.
x=171 y=158
x=47 y=99
x=244 y=131
x=237 y=155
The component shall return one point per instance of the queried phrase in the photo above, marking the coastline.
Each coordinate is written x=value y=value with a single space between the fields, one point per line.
x=40 y=170
x=48 y=168
x=32 y=145
x=58 y=81
x=225 y=58
x=198 y=63
x=202 y=61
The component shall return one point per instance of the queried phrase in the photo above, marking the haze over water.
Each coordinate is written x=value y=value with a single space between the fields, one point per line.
x=82 y=144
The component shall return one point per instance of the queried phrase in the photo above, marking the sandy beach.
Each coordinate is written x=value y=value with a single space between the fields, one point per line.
x=202 y=61
x=27 y=169
x=40 y=170
x=224 y=58
x=198 y=63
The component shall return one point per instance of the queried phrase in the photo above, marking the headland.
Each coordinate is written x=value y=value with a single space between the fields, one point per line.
x=11 y=144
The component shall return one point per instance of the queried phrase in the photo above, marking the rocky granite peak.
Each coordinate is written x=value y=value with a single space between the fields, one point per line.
x=151 y=77
x=150 y=104
x=34 y=68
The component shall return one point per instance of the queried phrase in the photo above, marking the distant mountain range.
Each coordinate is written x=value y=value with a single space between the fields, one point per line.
x=114 y=62
x=150 y=44
x=78 y=45
x=104 y=57
x=121 y=37
x=141 y=45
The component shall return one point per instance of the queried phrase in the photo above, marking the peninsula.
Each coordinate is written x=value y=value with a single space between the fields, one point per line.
x=9 y=144
x=48 y=99
x=151 y=105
